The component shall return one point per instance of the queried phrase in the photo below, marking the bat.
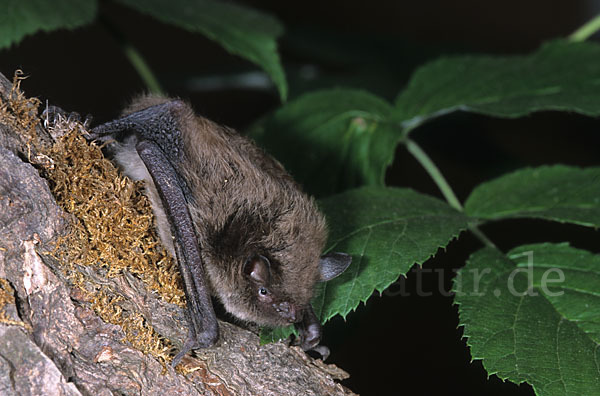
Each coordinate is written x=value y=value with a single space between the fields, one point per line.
x=240 y=227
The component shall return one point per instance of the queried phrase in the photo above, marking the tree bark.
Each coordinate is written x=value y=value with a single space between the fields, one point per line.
x=53 y=343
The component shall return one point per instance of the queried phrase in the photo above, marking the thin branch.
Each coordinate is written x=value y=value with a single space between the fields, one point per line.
x=444 y=187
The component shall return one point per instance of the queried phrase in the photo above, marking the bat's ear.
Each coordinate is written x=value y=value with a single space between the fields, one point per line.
x=332 y=264
x=258 y=268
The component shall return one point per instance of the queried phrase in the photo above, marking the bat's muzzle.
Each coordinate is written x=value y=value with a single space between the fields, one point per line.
x=287 y=311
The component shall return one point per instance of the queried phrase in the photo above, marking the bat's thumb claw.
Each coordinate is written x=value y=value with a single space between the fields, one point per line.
x=189 y=344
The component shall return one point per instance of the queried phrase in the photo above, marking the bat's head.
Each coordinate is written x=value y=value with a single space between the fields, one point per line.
x=265 y=262
x=279 y=301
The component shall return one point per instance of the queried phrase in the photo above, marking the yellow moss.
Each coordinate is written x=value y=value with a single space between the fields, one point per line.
x=116 y=217
x=114 y=229
x=19 y=111
x=137 y=331
x=7 y=297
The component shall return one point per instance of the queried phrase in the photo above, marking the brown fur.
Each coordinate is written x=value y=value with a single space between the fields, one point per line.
x=243 y=203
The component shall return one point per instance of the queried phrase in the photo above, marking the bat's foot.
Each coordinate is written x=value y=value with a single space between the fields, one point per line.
x=309 y=342
x=322 y=350
x=309 y=334
x=309 y=329
x=309 y=337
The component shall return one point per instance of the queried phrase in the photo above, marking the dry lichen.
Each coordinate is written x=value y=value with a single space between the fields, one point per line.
x=114 y=230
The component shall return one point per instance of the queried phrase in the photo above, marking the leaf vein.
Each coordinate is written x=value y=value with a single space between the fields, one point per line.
x=514 y=331
x=389 y=221
x=561 y=379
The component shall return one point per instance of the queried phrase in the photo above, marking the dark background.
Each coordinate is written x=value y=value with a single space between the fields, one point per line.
x=400 y=342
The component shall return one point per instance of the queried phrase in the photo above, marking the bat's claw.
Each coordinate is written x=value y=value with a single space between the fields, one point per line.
x=195 y=341
x=189 y=344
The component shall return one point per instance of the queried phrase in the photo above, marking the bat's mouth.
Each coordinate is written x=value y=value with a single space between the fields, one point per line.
x=289 y=312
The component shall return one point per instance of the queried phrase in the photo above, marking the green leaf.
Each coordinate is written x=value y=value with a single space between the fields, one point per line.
x=560 y=193
x=534 y=317
x=578 y=297
x=332 y=140
x=240 y=30
x=19 y=18
x=561 y=75
x=269 y=335
x=387 y=231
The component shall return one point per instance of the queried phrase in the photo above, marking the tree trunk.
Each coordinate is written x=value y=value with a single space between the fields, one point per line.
x=52 y=341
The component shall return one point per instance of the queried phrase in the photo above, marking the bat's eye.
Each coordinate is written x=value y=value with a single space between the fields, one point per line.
x=263 y=291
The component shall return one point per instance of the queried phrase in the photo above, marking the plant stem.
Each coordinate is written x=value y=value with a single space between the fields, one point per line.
x=435 y=173
x=139 y=64
x=481 y=236
x=444 y=187
x=133 y=55
x=585 y=31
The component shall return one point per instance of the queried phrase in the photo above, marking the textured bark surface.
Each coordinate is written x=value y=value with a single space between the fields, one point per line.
x=52 y=342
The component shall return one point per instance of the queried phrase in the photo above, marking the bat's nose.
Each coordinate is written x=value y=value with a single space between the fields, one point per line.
x=287 y=311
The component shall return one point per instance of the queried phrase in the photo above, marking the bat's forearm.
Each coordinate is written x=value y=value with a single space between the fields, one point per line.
x=202 y=316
